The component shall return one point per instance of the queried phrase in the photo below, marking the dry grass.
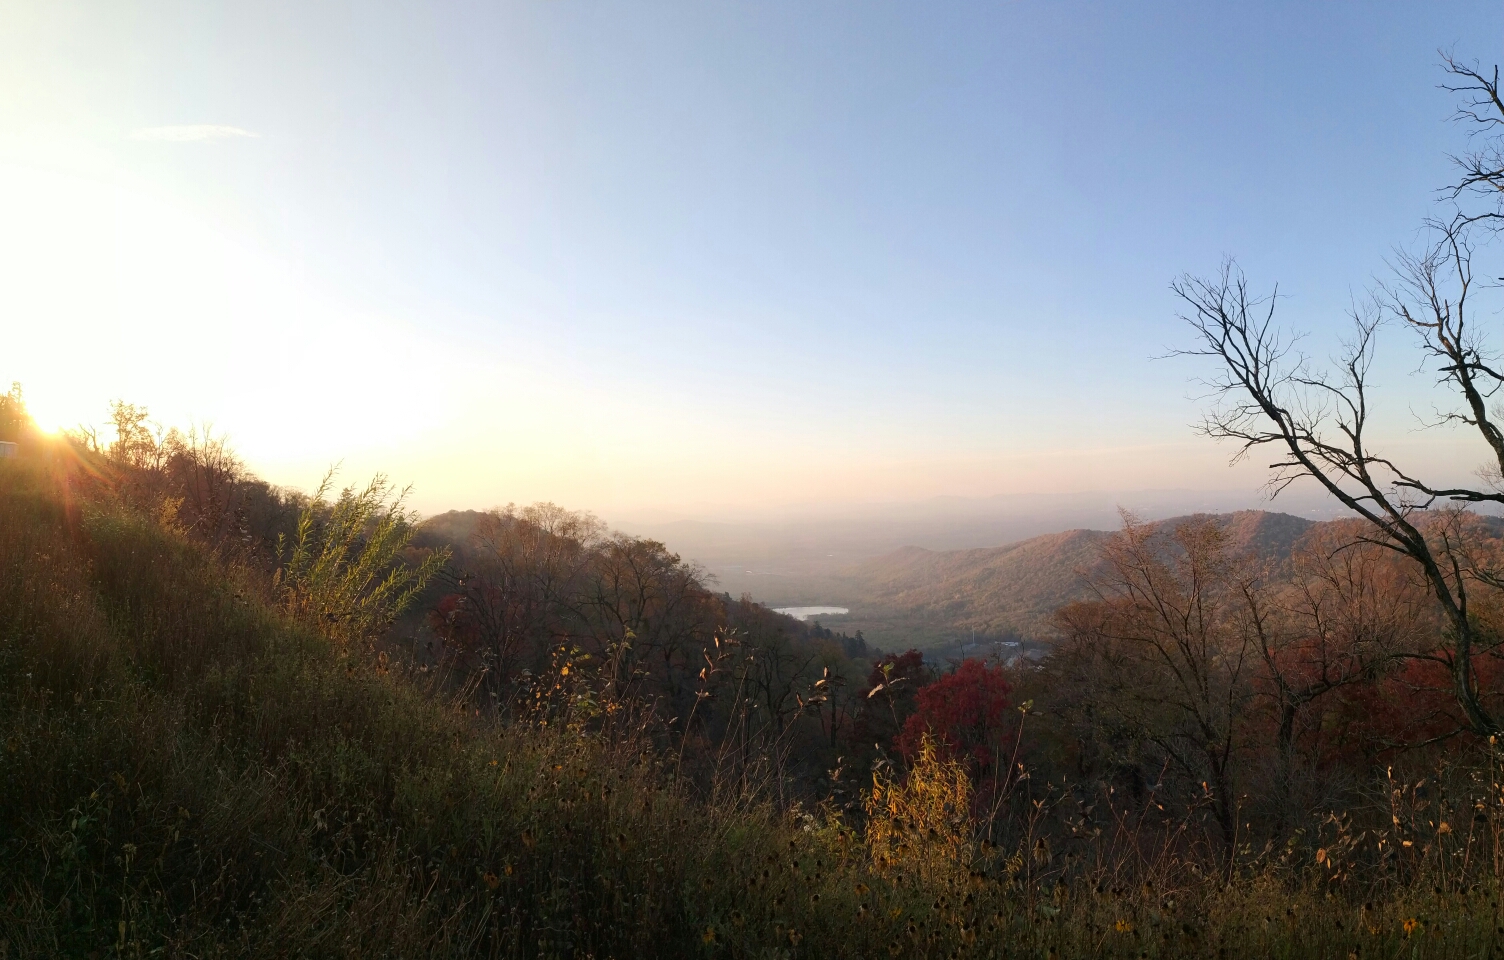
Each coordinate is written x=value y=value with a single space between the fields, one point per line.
x=186 y=772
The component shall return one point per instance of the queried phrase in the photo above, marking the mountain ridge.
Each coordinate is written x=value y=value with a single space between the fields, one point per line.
x=918 y=596
x=1013 y=589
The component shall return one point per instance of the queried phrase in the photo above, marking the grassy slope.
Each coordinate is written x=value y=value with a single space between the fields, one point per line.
x=181 y=760
x=185 y=773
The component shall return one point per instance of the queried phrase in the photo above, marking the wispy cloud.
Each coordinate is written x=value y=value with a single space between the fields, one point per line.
x=192 y=131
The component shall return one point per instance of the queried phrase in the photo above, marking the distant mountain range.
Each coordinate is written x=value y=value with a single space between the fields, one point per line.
x=931 y=597
x=799 y=555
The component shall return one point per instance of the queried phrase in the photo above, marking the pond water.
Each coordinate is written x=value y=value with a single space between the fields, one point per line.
x=804 y=613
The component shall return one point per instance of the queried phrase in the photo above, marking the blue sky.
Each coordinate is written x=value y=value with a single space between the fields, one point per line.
x=632 y=255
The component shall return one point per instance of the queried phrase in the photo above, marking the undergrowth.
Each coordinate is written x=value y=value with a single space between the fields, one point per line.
x=189 y=771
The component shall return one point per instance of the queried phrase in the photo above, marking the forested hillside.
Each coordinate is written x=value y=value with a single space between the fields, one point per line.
x=936 y=598
x=244 y=722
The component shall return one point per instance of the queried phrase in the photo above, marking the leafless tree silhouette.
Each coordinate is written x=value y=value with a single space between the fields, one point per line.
x=1269 y=395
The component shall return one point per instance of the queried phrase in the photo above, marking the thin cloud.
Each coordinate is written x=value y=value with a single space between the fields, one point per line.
x=187 y=132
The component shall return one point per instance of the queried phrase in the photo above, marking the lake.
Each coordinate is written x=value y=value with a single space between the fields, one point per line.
x=804 y=613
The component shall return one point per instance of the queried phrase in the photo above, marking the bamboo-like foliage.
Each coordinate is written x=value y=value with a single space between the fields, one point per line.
x=344 y=568
x=923 y=822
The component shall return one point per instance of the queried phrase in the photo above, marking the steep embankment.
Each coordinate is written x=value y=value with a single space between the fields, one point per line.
x=1013 y=589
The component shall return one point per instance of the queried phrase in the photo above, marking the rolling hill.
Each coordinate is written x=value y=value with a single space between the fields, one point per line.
x=936 y=598
x=930 y=597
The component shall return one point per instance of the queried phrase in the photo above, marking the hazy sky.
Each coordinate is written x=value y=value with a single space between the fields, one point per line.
x=662 y=254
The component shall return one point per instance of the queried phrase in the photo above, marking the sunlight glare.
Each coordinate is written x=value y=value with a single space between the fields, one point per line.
x=118 y=294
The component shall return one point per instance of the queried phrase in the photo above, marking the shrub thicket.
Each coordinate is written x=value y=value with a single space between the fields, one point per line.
x=192 y=769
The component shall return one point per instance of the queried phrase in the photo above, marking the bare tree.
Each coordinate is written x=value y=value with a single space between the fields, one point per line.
x=776 y=671
x=208 y=479
x=1272 y=396
x=1172 y=633
x=1319 y=421
x=518 y=593
x=1482 y=166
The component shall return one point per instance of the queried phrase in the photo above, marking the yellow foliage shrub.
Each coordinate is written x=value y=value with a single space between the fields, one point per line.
x=921 y=824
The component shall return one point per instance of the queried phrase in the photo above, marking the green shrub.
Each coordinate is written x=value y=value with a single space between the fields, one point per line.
x=343 y=569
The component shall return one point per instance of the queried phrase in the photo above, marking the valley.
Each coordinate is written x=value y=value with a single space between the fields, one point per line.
x=940 y=600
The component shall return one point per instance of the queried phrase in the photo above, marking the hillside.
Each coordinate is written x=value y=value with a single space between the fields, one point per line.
x=190 y=770
x=936 y=596
x=450 y=528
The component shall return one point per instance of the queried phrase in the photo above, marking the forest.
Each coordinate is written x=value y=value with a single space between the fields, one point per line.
x=240 y=720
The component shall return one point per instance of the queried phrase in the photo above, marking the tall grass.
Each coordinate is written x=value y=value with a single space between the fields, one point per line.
x=190 y=771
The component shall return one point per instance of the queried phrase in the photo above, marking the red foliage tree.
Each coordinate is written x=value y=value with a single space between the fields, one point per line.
x=967 y=713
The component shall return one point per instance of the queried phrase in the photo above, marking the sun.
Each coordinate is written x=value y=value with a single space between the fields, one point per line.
x=43 y=421
x=51 y=415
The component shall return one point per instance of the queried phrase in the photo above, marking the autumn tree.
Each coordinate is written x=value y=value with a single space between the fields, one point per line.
x=1163 y=656
x=1354 y=612
x=520 y=588
x=652 y=607
x=967 y=713
x=138 y=439
x=207 y=482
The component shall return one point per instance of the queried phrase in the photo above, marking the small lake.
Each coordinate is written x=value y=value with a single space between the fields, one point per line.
x=804 y=613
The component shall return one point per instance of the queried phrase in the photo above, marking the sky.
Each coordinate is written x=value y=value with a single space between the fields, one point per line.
x=682 y=257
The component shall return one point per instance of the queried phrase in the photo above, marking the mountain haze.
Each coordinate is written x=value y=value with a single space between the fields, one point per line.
x=1012 y=590
x=914 y=596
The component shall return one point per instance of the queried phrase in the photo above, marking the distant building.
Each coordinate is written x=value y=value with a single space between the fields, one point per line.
x=8 y=449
